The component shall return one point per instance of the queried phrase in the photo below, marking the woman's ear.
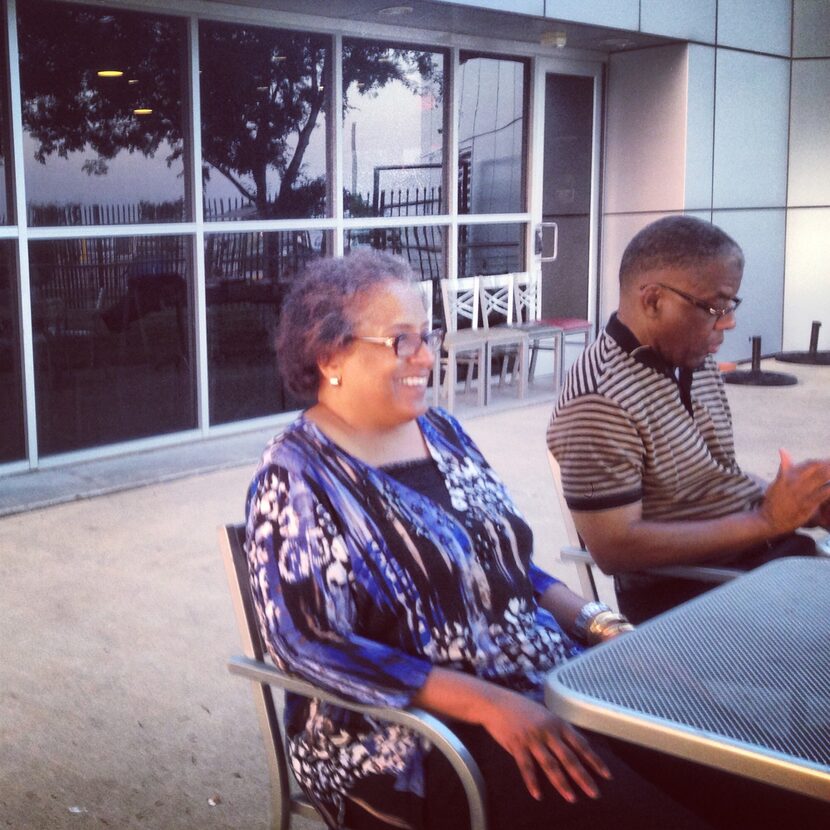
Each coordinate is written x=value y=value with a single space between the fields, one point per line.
x=330 y=366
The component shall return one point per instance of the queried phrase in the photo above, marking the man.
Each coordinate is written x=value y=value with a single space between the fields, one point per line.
x=643 y=433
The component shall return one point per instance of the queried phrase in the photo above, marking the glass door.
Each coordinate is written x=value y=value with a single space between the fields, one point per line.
x=565 y=197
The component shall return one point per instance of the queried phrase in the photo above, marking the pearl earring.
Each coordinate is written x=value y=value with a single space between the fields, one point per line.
x=334 y=380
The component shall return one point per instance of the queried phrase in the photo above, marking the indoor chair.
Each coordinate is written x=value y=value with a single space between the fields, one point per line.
x=265 y=677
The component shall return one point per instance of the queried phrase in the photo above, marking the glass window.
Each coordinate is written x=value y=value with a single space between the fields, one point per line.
x=248 y=275
x=113 y=339
x=263 y=99
x=491 y=135
x=12 y=432
x=423 y=247
x=490 y=249
x=6 y=196
x=102 y=115
x=393 y=115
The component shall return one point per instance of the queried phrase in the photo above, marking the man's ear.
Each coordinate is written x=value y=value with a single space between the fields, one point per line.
x=650 y=296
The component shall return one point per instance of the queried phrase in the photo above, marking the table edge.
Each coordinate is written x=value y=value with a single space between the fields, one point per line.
x=708 y=748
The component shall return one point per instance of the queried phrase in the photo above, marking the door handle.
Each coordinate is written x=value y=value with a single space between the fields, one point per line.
x=555 y=227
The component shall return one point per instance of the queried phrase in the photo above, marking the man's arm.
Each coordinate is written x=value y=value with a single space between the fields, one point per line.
x=621 y=540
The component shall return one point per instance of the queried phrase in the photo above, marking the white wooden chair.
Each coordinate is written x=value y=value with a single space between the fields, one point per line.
x=426 y=289
x=504 y=340
x=464 y=341
x=528 y=292
x=527 y=306
x=265 y=677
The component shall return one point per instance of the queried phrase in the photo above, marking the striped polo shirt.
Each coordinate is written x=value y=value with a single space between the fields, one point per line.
x=627 y=428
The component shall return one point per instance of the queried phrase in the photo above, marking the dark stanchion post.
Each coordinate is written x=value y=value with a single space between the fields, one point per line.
x=814 y=336
x=756 y=353
x=756 y=376
x=813 y=357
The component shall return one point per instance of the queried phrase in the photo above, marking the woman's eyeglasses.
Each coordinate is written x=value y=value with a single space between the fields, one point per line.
x=720 y=313
x=408 y=343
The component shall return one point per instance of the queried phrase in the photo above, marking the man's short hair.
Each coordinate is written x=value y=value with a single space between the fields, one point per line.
x=676 y=242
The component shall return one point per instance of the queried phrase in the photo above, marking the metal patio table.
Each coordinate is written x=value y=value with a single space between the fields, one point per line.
x=738 y=679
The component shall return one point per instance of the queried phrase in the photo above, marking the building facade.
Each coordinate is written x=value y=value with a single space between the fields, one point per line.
x=167 y=171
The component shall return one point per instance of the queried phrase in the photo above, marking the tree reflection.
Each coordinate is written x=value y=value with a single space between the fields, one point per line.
x=69 y=108
x=263 y=92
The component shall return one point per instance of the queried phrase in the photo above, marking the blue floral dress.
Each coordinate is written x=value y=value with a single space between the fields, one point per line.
x=363 y=584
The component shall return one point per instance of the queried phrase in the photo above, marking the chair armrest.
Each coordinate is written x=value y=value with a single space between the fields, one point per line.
x=419 y=721
x=703 y=573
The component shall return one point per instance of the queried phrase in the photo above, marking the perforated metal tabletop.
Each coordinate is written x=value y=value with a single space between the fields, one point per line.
x=737 y=679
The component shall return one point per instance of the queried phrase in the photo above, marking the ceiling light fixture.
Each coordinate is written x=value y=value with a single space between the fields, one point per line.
x=616 y=43
x=110 y=73
x=142 y=111
x=557 y=39
x=395 y=11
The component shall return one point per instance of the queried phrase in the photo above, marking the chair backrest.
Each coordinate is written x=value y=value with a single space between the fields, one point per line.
x=426 y=289
x=496 y=299
x=527 y=297
x=578 y=554
x=461 y=303
x=283 y=804
x=264 y=676
x=567 y=519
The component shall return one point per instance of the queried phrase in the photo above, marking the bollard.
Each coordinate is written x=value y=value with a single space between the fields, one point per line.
x=756 y=353
x=756 y=376
x=814 y=336
x=813 y=357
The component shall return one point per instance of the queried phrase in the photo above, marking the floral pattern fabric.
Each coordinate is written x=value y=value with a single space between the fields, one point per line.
x=363 y=584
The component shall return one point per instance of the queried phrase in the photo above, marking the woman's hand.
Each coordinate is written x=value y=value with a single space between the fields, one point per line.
x=532 y=735
x=525 y=729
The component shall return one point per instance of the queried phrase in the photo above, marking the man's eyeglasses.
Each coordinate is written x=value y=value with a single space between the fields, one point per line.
x=711 y=310
x=408 y=343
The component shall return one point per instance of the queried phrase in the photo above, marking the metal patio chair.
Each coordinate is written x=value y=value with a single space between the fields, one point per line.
x=578 y=555
x=265 y=677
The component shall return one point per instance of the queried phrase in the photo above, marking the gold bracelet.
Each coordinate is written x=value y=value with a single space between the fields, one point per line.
x=605 y=625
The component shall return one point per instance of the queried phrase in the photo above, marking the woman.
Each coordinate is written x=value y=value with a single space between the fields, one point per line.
x=389 y=565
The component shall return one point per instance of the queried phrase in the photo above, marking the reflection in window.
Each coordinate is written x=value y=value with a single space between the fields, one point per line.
x=490 y=249
x=248 y=274
x=113 y=340
x=102 y=115
x=422 y=246
x=12 y=434
x=491 y=135
x=263 y=122
x=392 y=130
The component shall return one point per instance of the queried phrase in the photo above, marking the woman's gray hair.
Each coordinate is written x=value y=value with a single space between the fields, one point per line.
x=319 y=313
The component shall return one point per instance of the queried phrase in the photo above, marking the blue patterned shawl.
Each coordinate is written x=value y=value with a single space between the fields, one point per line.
x=362 y=584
